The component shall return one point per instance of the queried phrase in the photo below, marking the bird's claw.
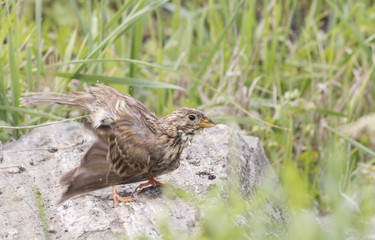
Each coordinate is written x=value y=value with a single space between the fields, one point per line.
x=151 y=181
x=116 y=197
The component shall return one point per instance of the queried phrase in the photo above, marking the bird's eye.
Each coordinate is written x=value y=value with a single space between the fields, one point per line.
x=191 y=117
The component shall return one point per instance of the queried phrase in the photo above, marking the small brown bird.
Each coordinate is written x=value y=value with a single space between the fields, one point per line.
x=132 y=145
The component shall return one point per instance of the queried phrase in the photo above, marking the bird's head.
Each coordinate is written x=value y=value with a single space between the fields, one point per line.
x=185 y=121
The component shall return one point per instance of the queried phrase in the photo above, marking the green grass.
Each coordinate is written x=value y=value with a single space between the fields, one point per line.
x=306 y=66
x=42 y=213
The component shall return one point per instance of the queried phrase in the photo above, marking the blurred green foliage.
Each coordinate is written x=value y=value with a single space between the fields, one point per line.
x=302 y=65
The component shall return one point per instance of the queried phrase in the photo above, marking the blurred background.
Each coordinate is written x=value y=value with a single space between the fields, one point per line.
x=297 y=74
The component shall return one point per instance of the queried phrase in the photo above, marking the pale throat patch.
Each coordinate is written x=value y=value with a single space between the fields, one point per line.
x=187 y=138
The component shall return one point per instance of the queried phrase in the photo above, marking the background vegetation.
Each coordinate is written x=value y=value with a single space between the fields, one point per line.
x=305 y=66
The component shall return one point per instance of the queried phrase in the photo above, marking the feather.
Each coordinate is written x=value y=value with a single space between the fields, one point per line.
x=132 y=145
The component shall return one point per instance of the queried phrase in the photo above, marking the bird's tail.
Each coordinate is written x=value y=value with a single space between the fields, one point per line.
x=75 y=99
x=91 y=175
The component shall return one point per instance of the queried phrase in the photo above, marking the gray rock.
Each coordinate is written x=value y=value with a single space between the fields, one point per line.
x=34 y=164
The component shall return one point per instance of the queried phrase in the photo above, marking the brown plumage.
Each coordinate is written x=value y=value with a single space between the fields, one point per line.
x=133 y=143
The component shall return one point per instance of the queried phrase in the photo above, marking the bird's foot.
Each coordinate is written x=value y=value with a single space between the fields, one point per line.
x=116 y=197
x=151 y=181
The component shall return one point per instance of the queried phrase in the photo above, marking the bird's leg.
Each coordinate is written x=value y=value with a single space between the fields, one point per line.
x=116 y=197
x=151 y=181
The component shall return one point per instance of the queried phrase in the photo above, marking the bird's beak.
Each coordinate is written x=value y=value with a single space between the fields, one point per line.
x=206 y=123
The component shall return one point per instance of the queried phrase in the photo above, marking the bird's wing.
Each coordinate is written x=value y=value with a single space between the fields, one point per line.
x=111 y=105
x=95 y=172
x=132 y=146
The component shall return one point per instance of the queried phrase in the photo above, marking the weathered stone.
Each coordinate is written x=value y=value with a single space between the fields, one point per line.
x=35 y=163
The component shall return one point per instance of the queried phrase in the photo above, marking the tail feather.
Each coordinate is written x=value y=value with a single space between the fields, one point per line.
x=93 y=173
x=90 y=175
x=76 y=99
x=80 y=180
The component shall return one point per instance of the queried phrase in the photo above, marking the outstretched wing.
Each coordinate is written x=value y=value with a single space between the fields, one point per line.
x=93 y=173
x=96 y=170
x=105 y=104
x=111 y=105
x=131 y=147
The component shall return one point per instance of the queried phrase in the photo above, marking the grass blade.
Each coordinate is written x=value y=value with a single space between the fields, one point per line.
x=215 y=48
x=134 y=61
x=137 y=38
x=119 y=80
x=14 y=75
x=38 y=20
x=330 y=112
x=29 y=68
x=42 y=213
x=78 y=15
x=352 y=141
x=128 y=22
x=18 y=110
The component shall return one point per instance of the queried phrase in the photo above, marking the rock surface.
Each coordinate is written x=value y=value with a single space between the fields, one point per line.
x=34 y=164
